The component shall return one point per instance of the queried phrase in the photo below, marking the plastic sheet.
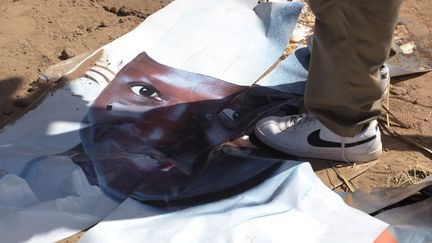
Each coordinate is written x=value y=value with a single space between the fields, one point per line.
x=155 y=130
x=291 y=205
x=373 y=201
x=48 y=164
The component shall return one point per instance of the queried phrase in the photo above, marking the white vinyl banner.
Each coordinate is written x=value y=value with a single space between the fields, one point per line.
x=140 y=114
x=293 y=205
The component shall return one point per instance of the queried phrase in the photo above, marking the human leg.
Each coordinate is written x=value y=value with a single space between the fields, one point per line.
x=352 y=39
x=351 y=42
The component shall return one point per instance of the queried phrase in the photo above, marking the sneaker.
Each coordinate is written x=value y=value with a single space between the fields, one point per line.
x=304 y=136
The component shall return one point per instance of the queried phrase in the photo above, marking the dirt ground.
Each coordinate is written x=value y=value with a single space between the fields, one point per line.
x=410 y=102
x=37 y=34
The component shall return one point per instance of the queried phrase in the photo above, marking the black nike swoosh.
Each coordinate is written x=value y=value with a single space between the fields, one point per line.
x=315 y=140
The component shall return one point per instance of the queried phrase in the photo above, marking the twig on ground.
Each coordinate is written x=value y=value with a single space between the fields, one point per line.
x=389 y=123
x=424 y=168
x=373 y=163
x=414 y=175
x=344 y=179
x=415 y=144
x=388 y=105
x=329 y=178
x=427 y=118
x=401 y=123
x=407 y=140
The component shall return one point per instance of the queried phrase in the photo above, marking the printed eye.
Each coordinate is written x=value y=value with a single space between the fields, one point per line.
x=146 y=91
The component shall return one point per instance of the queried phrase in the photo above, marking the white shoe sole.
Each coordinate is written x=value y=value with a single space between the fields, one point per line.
x=331 y=155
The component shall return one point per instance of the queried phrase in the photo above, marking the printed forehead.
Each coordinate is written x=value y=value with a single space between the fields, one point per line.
x=145 y=69
x=143 y=64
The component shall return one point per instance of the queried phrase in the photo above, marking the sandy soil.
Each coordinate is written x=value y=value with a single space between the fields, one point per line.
x=411 y=102
x=37 y=34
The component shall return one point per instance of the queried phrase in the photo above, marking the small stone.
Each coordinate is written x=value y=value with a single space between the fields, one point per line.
x=141 y=15
x=21 y=103
x=43 y=79
x=29 y=90
x=401 y=31
x=121 y=21
x=66 y=54
x=123 y=11
x=408 y=48
x=103 y=24
x=113 y=10
x=106 y=8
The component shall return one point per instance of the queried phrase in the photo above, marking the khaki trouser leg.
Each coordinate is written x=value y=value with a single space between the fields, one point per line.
x=352 y=40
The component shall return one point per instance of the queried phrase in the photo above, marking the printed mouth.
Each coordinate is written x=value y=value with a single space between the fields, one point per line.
x=140 y=155
x=135 y=152
x=123 y=143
